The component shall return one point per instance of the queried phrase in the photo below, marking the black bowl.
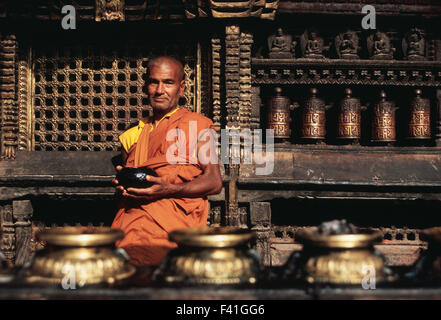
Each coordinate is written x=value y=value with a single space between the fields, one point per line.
x=135 y=177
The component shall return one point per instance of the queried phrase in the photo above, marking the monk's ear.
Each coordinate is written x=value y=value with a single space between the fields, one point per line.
x=182 y=88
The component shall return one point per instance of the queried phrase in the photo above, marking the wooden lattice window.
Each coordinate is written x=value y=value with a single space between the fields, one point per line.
x=84 y=97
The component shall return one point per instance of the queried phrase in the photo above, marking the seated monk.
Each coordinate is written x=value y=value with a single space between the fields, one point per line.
x=186 y=175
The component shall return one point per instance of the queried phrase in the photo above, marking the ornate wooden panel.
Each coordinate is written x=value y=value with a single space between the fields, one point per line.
x=8 y=93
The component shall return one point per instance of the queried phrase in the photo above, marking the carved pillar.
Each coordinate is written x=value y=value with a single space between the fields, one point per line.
x=204 y=79
x=22 y=213
x=216 y=81
x=260 y=219
x=232 y=85
x=8 y=97
x=255 y=108
x=238 y=109
x=232 y=75
x=232 y=215
x=24 y=100
x=246 y=41
x=438 y=119
x=7 y=245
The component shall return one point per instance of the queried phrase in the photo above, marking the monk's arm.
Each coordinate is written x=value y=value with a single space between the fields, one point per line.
x=210 y=182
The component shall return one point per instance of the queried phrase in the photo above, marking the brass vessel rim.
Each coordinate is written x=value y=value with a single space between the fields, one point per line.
x=80 y=236
x=211 y=237
x=310 y=237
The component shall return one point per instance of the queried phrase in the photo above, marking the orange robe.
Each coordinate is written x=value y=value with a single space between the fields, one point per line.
x=146 y=224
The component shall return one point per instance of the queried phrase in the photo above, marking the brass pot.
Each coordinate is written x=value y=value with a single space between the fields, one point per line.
x=215 y=256
x=79 y=256
x=344 y=259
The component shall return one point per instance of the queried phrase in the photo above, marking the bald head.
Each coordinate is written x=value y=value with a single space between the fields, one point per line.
x=164 y=84
x=169 y=61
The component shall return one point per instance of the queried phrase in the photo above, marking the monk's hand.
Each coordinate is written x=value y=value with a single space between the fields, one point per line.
x=115 y=182
x=160 y=189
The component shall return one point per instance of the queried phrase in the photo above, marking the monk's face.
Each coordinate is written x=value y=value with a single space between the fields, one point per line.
x=164 y=86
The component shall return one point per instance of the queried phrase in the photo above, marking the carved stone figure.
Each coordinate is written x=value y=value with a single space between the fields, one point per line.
x=379 y=46
x=413 y=45
x=346 y=45
x=281 y=46
x=110 y=10
x=312 y=45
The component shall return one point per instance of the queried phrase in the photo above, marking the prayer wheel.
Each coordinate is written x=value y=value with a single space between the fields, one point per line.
x=279 y=118
x=314 y=117
x=419 y=120
x=349 y=117
x=383 y=120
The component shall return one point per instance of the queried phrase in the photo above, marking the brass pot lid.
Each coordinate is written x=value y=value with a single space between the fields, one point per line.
x=310 y=237
x=211 y=237
x=80 y=236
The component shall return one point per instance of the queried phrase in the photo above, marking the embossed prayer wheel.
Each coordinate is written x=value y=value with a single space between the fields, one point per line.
x=349 y=117
x=419 y=120
x=314 y=117
x=279 y=118
x=383 y=120
x=210 y=256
